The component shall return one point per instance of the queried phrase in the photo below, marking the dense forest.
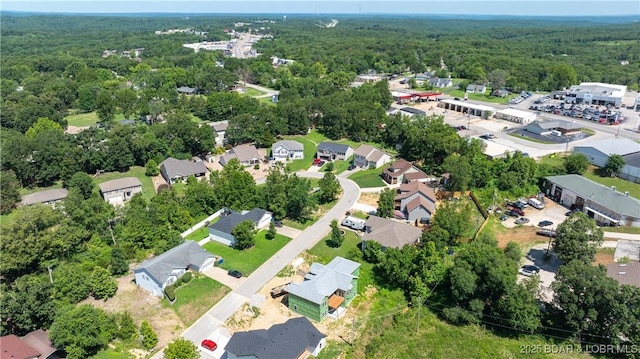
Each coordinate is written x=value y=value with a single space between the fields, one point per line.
x=52 y=67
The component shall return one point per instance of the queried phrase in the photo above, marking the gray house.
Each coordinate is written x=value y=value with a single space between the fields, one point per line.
x=330 y=151
x=221 y=230
x=50 y=197
x=287 y=150
x=175 y=171
x=598 y=153
x=120 y=190
x=246 y=154
x=390 y=233
x=296 y=338
x=154 y=275
x=416 y=201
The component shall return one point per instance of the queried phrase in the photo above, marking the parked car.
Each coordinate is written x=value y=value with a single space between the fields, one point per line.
x=317 y=161
x=529 y=270
x=545 y=223
x=278 y=224
x=571 y=212
x=209 y=344
x=511 y=213
x=504 y=217
x=522 y=220
x=546 y=232
x=516 y=204
x=234 y=273
x=351 y=167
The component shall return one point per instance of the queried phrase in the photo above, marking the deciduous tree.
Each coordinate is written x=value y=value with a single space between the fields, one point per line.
x=576 y=163
x=181 y=348
x=103 y=285
x=329 y=187
x=614 y=164
x=244 y=234
x=386 y=203
x=85 y=327
x=577 y=237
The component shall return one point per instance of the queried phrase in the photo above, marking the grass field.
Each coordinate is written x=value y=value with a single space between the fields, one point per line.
x=621 y=185
x=368 y=178
x=339 y=166
x=148 y=190
x=87 y=119
x=110 y=354
x=309 y=154
x=480 y=97
x=518 y=135
x=315 y=136
x=196 y=297
x=202 y=232
x=248 y=260
x=630 y=230
x=250 y=91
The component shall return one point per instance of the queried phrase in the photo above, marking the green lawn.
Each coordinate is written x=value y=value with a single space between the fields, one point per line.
x=110 y=354
x=315 y=136
x=554 y=160
x=621 y=185
x=480 y=97
x=518 y=135
x=250 y=91
x=193 y=299
x=195 y=118
x=298 y=225
x=202 y=232
x=87 y=119
x=248 y=260
x=309 y=154
x=148 y=191
x=339 y=166
x=368 y=178
x=630 y=230
x=179 y=187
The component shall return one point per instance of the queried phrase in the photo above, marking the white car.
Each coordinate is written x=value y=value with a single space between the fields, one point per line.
x=529 y=270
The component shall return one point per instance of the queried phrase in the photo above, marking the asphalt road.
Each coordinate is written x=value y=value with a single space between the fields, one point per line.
x=225 y=308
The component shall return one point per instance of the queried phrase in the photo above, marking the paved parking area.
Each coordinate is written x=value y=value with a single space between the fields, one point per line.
x=548 y=268
x=552 y=211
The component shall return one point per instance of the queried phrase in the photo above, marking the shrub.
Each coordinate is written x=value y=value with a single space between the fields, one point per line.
x=256 y=166
x=170 y=292
x=186 y=278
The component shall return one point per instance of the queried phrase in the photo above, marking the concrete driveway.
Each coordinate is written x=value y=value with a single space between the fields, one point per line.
x=220 y=275
x=288 y=231
x=548 y=269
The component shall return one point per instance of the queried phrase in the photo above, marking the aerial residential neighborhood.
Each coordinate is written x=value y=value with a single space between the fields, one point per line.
x=241 y=185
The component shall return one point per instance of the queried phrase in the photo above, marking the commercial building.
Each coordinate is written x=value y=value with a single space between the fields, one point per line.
x=599 y=152
x=605 y=205
x=596 y=93
x=517 y=116
x=467 y=107
x=555 y=127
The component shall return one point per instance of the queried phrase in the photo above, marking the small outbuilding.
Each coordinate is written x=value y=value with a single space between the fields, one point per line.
x=517 y=116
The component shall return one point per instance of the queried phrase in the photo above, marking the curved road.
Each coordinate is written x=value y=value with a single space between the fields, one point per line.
x=225 y=308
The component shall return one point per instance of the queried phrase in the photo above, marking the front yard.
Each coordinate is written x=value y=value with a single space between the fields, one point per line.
x=309 y=154
x=248 y=260
x=193 y=299
x=369 y=178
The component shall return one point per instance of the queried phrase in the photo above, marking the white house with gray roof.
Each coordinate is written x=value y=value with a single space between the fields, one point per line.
x=49 y=197
x=246 y=154
x=598 y=153
x=155 y=274
x=175 y=171
x=221 y=230
x=296 y=338
x=287 y=150
x=331 y=151
x=120 y=190
x=605 y=205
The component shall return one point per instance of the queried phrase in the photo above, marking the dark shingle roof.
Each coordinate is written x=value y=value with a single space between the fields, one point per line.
x=333 y=147
x=226 y=223
x=413 y=111
x=282 y=341
x=187 y=254
x=172 y=167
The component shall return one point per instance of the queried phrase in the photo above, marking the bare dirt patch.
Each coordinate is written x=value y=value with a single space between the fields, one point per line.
x=605 y=256
x=142 y=306
x=524 y=236
x=158 y=181
x=369 y=198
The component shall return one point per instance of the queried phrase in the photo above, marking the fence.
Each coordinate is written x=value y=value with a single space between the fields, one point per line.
x=200 y=224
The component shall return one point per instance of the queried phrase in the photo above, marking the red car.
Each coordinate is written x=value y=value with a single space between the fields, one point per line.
x=316 y=161
x=209 y=344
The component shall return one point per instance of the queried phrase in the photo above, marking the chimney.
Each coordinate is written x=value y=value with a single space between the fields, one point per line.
x=626 y=193
x=613 y=188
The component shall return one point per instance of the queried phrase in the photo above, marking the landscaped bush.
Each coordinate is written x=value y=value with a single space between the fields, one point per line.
x=186 y=278
x=170 y=292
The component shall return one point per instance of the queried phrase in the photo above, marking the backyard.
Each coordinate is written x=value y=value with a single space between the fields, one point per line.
x=369 y=178
x=247 y=260
x=148 y=190
x=621 y=185
x=87 y=119
x=480 y=97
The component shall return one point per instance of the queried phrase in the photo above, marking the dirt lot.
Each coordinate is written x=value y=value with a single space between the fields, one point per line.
x=370 y=199
x=142 y=306
x=604 y=256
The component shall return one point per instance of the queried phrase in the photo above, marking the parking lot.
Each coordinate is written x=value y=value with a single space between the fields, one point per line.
x=552 y=211
x=548 y=268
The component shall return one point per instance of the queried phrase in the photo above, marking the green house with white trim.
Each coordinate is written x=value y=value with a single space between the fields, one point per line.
x=326 y=290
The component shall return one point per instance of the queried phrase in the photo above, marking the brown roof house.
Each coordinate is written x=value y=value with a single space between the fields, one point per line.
x=390 y=233
x=370 y=157
x=416 y=201
x=175 y=171
x=246 y=154
x=50 y=197
x=120 y=190
x=625 y=273
x=402 y=171
x=35 y=345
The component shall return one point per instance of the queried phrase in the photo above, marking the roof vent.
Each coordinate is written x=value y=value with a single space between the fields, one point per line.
x=623 y=264
x=613 y=188
x=626 y=193
x=622 y=273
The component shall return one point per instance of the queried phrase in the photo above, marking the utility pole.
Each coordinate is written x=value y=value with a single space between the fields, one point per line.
x=50 y=276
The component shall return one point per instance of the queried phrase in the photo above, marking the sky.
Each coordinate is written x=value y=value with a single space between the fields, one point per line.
x=425 y=7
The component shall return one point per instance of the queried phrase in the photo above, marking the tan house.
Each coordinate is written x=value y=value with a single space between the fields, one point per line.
x=370 y=157
x=416 y=201
x=246 y=154
x=402 y=171
x=120 y=190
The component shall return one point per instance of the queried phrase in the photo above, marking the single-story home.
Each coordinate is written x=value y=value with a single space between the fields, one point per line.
x=605 y=205
x=120 y=190
x=399 y=169
x=34 y=345
x=425 y=76
x=246 y=154
x=557 y=127
x=334 y=151
x=440 y=82
x=220 y=128
x=625 y=273
x=294 y=339
x=416 y=201
x=174 y=171
x=501 y=92
x=186 y=90
x=155 y=274
x=410 y=111
x=390 y=233
x=598 y=153
x=513 y=115
x=473 y=88
x=369 y=157
x=50 y=197
x=287 y=150
x=221 y=230
x=326 y=290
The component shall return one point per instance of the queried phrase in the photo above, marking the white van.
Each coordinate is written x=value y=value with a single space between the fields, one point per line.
x=535 y=203
x=353 y=223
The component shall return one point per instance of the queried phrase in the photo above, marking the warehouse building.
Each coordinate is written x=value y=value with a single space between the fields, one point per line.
x=466 y=107
x=599 y=152
x=517 y=116
x=596 y=93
